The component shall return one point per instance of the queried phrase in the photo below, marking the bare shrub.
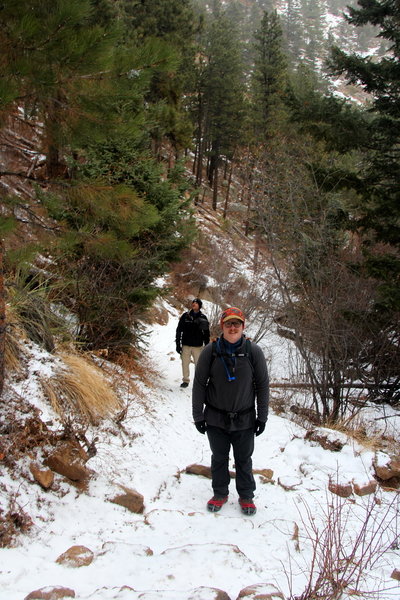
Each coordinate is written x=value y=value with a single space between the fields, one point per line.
x=347 y=547
x=326 y=305
x=80 y=388
x=12 y=523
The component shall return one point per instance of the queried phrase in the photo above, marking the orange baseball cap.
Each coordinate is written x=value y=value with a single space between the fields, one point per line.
x=232 y=313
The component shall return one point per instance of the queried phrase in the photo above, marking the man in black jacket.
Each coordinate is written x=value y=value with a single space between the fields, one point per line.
x=192 y=333
x=230 y=402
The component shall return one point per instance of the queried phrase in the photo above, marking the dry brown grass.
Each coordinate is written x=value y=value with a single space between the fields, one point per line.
x=14 y=351
x=355 y=430
x=81 y=389
x=15 y=339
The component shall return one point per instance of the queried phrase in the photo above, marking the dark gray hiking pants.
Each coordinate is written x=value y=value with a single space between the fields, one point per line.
x=242 y=443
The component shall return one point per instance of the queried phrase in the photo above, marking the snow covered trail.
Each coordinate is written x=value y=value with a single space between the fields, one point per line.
x=177 y=545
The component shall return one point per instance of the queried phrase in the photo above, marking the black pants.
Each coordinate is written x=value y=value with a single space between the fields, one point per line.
x=242 y=443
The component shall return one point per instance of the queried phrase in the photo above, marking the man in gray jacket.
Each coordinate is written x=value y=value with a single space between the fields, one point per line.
x=230 y=402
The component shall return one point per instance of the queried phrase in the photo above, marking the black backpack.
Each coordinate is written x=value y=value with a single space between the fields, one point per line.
x=216 y=351
x=231 y=416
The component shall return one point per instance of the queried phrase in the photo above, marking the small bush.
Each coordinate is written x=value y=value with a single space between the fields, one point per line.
x=13 y=523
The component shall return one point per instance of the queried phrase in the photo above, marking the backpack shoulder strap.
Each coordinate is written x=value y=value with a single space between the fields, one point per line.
x=217 y=352
x=249 y=351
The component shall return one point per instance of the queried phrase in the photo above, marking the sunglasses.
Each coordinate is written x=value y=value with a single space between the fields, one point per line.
x=233 y=324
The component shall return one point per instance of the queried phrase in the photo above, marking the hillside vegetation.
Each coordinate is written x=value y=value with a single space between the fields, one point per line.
x=120 y=121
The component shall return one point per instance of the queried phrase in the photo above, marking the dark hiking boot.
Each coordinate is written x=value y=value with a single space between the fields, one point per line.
x=184 y=384
x=215 y=504
x=247 y=505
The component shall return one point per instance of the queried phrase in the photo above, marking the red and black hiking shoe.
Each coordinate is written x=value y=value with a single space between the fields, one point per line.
x=248 y=507
x=215 y=504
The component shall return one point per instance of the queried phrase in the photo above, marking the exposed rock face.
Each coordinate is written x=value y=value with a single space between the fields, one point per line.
x=261 y=591
x=76 y=556
x=69 y=460
x=44 y=477
x=51 y=593
x=130 y=499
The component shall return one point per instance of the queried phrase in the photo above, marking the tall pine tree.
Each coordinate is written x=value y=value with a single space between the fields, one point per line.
x=220 y=95
x=376 y=216
x=379 y=210
x=268 y=73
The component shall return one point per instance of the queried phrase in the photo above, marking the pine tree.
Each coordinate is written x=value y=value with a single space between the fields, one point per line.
x=171 y=21
x=53 y=54
x=121 y=220
x=379 y=212
x=376 y=212
x=220 y=95
x=268 y=74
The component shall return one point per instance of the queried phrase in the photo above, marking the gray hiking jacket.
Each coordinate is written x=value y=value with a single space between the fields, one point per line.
x=211 y=388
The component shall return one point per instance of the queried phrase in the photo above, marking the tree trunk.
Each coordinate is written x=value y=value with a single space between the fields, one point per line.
x=215 y=158
x=200 y=144
x=215 y=188
x=228 y=190
x=54 y=167
x=249 y=207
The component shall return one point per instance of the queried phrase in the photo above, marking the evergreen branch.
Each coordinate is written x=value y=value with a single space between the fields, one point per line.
x=102 y=75
x=40 y=46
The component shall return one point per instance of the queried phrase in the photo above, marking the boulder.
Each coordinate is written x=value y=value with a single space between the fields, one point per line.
x=51 y=593
x=130 y=499
x=76 y=556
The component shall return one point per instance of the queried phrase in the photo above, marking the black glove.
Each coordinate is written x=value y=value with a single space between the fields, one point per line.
x=201 y=426
x=178 y=348
x=259 y=427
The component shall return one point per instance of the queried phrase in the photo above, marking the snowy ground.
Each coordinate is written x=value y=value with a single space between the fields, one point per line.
x=189 y=546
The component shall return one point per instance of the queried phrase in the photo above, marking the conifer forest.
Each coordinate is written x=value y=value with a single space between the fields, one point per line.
x=119 y=118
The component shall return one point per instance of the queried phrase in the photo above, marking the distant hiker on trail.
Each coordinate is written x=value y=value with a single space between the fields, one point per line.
x=192 y=333
x=230 y=402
